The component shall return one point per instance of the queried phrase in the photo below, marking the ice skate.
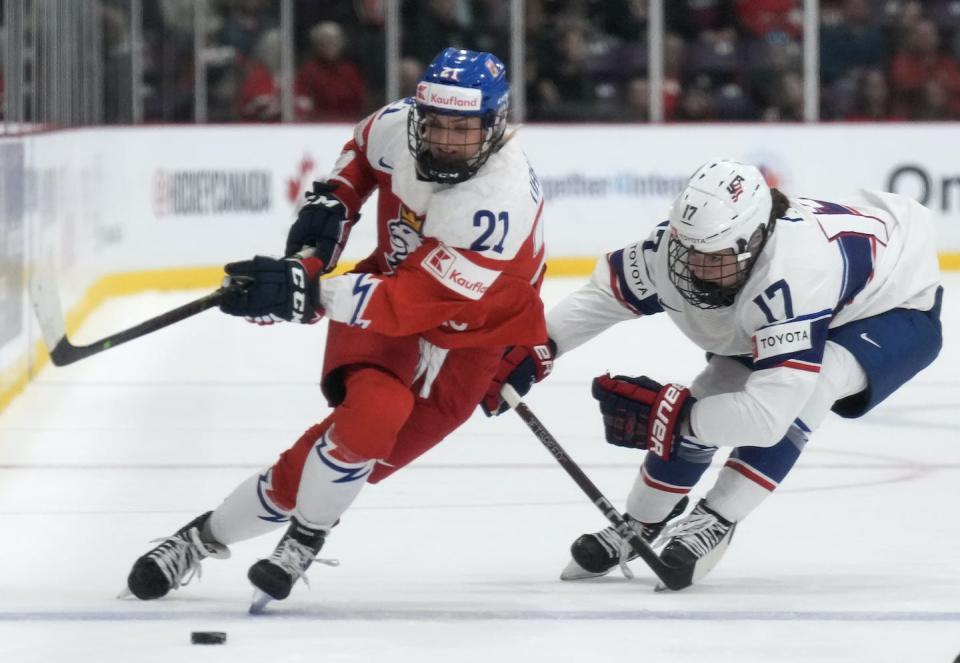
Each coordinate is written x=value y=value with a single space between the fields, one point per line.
x=173 y=563
x=273 y=578
x=595 y=555
x=698 y=541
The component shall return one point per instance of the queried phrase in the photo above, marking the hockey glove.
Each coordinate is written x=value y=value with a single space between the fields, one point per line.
x=642 y=413
x=520 y=367
x=322 y=225
x=274 y=290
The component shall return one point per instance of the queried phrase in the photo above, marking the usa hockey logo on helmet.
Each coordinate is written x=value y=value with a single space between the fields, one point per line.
x=460 y=83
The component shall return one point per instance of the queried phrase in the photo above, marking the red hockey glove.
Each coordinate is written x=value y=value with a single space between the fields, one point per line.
x=642 y=413
x=520 y=367
x=274 y=290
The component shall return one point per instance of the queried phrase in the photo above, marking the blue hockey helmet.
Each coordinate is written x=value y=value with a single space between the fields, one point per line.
x=458 y=83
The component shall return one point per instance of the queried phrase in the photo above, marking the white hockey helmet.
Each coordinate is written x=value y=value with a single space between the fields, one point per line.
x=718 y=225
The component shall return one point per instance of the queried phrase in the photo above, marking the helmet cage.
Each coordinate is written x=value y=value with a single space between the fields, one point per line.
x=727 y=270
x=452 y=171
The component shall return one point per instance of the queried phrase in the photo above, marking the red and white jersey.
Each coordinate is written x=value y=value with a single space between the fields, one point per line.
x=459 y=264
x=826 y=264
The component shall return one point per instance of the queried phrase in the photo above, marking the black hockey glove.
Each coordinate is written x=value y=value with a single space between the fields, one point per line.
x=322 y=225
x=521 y=366
x=642 y=413
x=274 y=290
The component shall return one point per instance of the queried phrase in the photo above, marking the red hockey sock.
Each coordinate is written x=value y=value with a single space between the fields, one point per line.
x=365 y=424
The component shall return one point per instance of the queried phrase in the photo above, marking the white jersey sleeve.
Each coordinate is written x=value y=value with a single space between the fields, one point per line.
x=759 y=415
x=620 y=288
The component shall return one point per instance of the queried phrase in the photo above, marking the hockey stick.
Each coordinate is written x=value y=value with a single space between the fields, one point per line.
x=46 y=305
x=672 y=577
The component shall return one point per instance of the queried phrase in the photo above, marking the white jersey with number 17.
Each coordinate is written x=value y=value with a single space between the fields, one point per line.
x=826 y=264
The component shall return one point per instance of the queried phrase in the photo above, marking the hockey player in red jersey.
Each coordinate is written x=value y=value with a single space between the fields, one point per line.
x=416 y=330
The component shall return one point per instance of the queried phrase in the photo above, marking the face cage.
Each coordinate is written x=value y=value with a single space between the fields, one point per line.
x=447 y=171
x=711 y=294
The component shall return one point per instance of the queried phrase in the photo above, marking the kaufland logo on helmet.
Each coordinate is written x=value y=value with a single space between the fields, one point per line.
x=449 y=97
x=452 y=101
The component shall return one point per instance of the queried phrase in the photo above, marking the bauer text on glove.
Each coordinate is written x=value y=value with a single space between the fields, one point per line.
x=642 y=413
x=520 y=367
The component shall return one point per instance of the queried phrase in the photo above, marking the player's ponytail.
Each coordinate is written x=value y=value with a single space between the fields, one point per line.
x=780 y=204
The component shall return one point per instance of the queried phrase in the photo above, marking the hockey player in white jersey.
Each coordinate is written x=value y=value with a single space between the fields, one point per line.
x=803 y=306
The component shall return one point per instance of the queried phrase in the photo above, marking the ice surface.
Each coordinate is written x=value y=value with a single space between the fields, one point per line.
x=456 y=558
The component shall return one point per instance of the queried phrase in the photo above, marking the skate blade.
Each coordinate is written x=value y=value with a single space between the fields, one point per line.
x=689 y=575
x=573 y=572
x=259 y=602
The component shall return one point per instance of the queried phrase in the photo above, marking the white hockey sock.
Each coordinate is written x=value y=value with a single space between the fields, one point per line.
x=734 y=496
x=328 y=484
x=648 y=504
x=246 y=512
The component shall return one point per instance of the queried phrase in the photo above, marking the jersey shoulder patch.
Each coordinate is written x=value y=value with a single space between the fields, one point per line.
x=796 y=343
x=456 y=272
x=630 y=278
x=782 y=339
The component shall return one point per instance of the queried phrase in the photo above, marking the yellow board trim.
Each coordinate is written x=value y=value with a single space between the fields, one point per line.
x=950 y=262
x=16 y=376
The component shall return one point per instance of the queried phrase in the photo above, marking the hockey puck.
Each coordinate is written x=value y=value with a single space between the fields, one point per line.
x=208 y=638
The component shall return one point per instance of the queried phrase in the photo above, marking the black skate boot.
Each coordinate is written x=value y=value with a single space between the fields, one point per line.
x=596 y=554
x=174 y=562
x=275 y=577
x=698 y=541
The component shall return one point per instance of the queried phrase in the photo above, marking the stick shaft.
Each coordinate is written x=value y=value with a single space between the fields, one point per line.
x=64 y=352
x=672 y=578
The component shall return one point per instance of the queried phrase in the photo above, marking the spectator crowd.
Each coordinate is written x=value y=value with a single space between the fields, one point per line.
x=585 y=60
x=741 y=60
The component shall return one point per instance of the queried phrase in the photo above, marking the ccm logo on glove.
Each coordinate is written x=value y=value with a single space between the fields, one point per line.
x=299 y=278
x=265 y=290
